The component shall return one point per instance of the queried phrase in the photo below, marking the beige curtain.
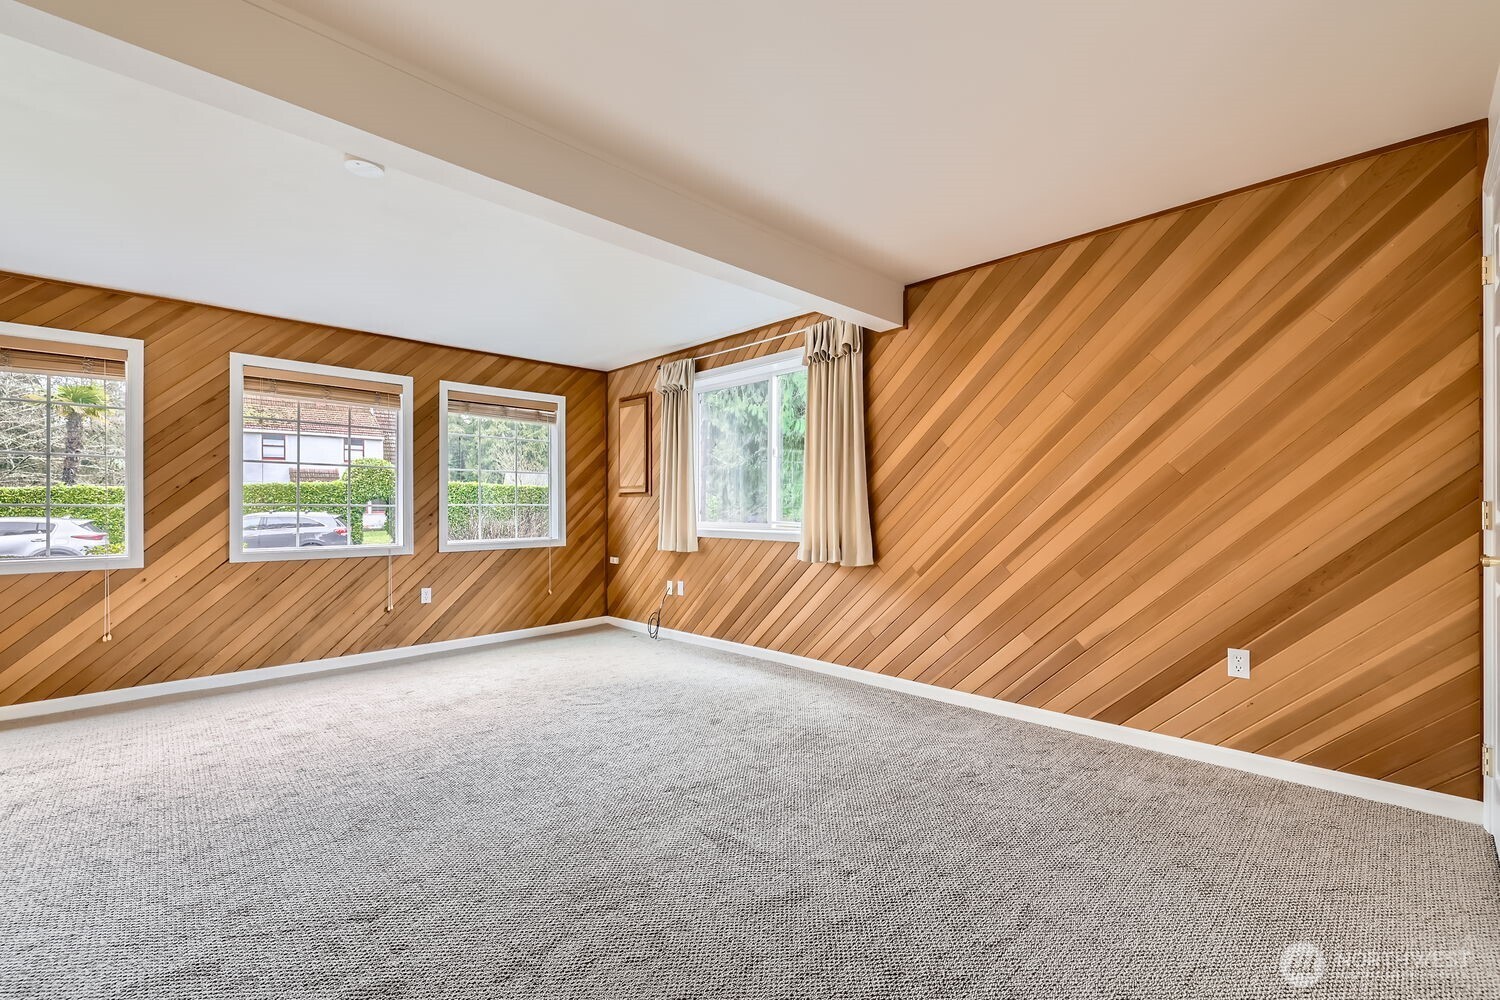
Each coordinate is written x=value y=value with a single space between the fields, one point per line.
x=836 y=496
x=678 y=523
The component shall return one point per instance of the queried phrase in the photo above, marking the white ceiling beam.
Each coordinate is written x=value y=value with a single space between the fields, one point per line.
x=258 y=61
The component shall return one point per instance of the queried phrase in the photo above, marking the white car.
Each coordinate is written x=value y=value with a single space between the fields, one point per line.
x=27 y=537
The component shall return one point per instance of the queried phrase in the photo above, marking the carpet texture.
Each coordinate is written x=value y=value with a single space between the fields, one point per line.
x=599 y=815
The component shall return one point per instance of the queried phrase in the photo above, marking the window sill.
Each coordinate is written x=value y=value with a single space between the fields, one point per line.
x=308 y=552
x=70 y=564
x=501 y=543
x=757 y=534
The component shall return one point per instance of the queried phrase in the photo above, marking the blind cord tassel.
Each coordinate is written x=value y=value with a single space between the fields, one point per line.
x=390 y=591
x=108 y=629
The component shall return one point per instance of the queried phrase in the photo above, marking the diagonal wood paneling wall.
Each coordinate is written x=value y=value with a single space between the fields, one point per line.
x=190 y=612
x=1250 y=422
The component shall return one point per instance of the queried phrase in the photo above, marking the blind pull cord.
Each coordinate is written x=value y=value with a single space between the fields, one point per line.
x=549 y=570
x=108 y=629
x=390 y=591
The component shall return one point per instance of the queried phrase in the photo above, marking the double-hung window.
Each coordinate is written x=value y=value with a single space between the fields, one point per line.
x=750 y=430
x=503 y=481
x=297 y=488
x=70 y=451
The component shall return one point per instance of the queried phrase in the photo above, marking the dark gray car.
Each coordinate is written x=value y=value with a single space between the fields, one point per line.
x=288 y=530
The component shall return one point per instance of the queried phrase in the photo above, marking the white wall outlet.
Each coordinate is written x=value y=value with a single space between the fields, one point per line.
x=679 y=588
x=614 y=560
x=426 y=595
x=1239 y=663
x=669 y=588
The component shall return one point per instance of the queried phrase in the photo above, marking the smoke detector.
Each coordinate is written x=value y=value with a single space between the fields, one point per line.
x=361 y=167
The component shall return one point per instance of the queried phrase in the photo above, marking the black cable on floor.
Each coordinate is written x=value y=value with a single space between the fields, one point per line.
x=653 y=624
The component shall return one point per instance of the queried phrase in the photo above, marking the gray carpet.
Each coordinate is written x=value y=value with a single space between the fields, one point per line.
x=597 y=815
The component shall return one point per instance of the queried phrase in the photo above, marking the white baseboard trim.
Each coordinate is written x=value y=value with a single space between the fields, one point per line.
x=1422 y=800
x=259 y=675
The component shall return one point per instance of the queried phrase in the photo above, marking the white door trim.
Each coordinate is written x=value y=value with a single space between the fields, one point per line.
x=1490 y=543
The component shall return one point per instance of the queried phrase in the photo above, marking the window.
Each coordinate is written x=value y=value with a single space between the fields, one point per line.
x=304 y=492
x=70 y=451
x=750 y=431
x=502 y=483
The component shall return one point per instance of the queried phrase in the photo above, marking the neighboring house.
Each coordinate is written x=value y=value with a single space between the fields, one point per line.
x=270 y=456
x=273 y=448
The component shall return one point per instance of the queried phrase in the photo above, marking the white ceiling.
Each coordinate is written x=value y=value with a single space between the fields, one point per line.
x=110 y=181
x=916 y=138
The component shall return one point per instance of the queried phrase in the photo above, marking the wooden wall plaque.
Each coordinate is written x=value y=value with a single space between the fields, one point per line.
x=635 y=445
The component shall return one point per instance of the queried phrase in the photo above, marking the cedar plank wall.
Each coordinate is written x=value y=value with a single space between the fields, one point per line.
x=190 y=612
x=1252 y=422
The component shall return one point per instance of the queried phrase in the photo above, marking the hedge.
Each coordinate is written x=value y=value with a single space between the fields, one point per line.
x=494 y=493
x=460 y=517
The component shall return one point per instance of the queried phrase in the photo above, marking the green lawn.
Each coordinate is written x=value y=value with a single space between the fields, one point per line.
x=381 y=537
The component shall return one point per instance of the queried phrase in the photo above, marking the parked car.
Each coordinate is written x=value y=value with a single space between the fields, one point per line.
x=288 y=529
x=26 y=537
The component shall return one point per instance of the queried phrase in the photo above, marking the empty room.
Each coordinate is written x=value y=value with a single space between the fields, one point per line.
x=828 y=500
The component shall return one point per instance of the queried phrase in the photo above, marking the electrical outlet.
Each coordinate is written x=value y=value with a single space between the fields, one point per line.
x=679 y=588
x=669 y=588
x=426 y=595
x=614 y=560
x=1239 y=663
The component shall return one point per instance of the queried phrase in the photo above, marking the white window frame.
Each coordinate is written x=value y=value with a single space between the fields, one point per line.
x=404 y=462
x=558 y=471
x=742 y=373
x=134 y=556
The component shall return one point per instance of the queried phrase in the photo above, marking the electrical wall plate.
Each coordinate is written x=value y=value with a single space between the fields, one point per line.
x=1239 y=663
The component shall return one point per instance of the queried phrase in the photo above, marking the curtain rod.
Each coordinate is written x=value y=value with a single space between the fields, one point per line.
x=753 y=343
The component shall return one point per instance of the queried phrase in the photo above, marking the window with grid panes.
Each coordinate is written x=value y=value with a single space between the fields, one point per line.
x=502 y=468
x=750 y=432
x=70 y=451
x=307 y=490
